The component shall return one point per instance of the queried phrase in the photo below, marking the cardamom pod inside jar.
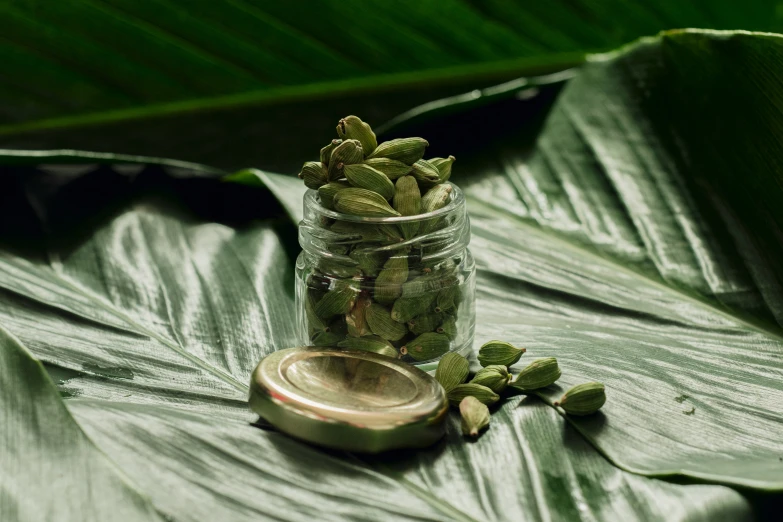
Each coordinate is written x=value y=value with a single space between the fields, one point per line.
x=401 y=286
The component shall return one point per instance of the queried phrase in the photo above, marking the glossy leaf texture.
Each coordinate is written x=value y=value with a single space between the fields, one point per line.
x=139 y=77
x=154 y=299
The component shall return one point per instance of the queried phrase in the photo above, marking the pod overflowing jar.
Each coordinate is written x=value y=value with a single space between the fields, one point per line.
x=360 y=284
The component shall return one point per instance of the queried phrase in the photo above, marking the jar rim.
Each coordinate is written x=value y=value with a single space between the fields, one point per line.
x=457 y=200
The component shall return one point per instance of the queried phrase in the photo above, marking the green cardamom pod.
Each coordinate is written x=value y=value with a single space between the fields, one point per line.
x=538 y=374
x=474 y=414
x=326 y=339
x=453 y=369
x=407 y=201
x=366 y=177
x=426 y=284
x=436 y=198
x=448 y=298
x=337 y=301
x=340 y=268
x=406 y=308
x=353 y=128
x=313 y=321
x=425 y=173
x=425 y=323
x=372 y=343
x=357 y=232
x=327 y=192
x=482 y=393
x=392 y=168
x=426 y=346
x=314 y=174
x=448 y=327
x=369 y=259
x=391 y=233
x=406 y=150
x=495 y=377
x=583 y=399
x=388 y=284
x=499 y=352
x=444 y=167
x=356 y=319
x=362 y=202
x=326 y=152
x=346 y=153
x=381 y=324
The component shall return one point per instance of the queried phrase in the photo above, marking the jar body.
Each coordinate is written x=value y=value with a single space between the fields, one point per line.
x=401 y=287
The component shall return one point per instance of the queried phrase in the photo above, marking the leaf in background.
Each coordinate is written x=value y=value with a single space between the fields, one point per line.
x=236 y=84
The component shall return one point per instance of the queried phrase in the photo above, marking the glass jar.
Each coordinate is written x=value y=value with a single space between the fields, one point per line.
x=360 y=284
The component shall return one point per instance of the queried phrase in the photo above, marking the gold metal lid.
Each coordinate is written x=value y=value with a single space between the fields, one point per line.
x=350 y=400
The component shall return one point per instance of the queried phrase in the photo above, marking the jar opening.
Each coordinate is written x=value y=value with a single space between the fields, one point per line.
x=311 y=201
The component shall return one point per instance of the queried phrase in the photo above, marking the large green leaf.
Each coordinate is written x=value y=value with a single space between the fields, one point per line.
x=158 y=309
x=214 y=82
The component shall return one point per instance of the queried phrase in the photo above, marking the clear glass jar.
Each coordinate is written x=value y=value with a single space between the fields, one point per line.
x=361 y=285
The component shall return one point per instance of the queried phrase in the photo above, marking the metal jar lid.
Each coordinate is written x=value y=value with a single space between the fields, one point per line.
x=350 y=400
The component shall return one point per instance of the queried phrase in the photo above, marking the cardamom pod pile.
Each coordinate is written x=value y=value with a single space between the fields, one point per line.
x=390 y=286
x=474 y=397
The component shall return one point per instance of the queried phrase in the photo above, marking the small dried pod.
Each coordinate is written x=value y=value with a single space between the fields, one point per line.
x=370 y=260
x=474 y=415
x=326 y=338
x=357 y=232
x=444 y=167
x=338 y=300
x=388 y=284
x=406 y=308
x=495 y=377
x=538 y=374
x=356 y=319
x=583 y=399
x=362 y=202
x=448 y=298
x=346 y=153
x=448 y=327
x=313 y=321
x=436 y=198
x=407 y=201
x=428 y=346
x=405 y=150
x=425 y=174
x=326 y=152
x=392 y=168
x=499 y=352
x=381 y=324
x=372 y=343
x=314 y=174
x=425 y=323
x=452 y=370
x=482 y=393
x=363 y=176
x=327 y=192
x=353 y=128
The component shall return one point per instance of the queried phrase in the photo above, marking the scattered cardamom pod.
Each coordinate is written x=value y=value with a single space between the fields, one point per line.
x=407 y=201
x=453 y=369
x=482 y=393
x=448 y=327
x=381 y=324
x=475 y=416
x=425 y=173
x=392 y=168
x=538 y=374
x=370 y=260
x=427 y=346
x=363 y=176
x=495 y=377
x=444 y=167
x=356 y=319
x=583 y=399
x=327 y=192
x=425 y=323
x=337 y=301
x=406 y=150
x=346 y=153
x=326 y=152
x=388 y=284
x=352 y=127
x=362 y=202
x=406 y=308
x=314 y=174
x=499 y=352
x=372 y=343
